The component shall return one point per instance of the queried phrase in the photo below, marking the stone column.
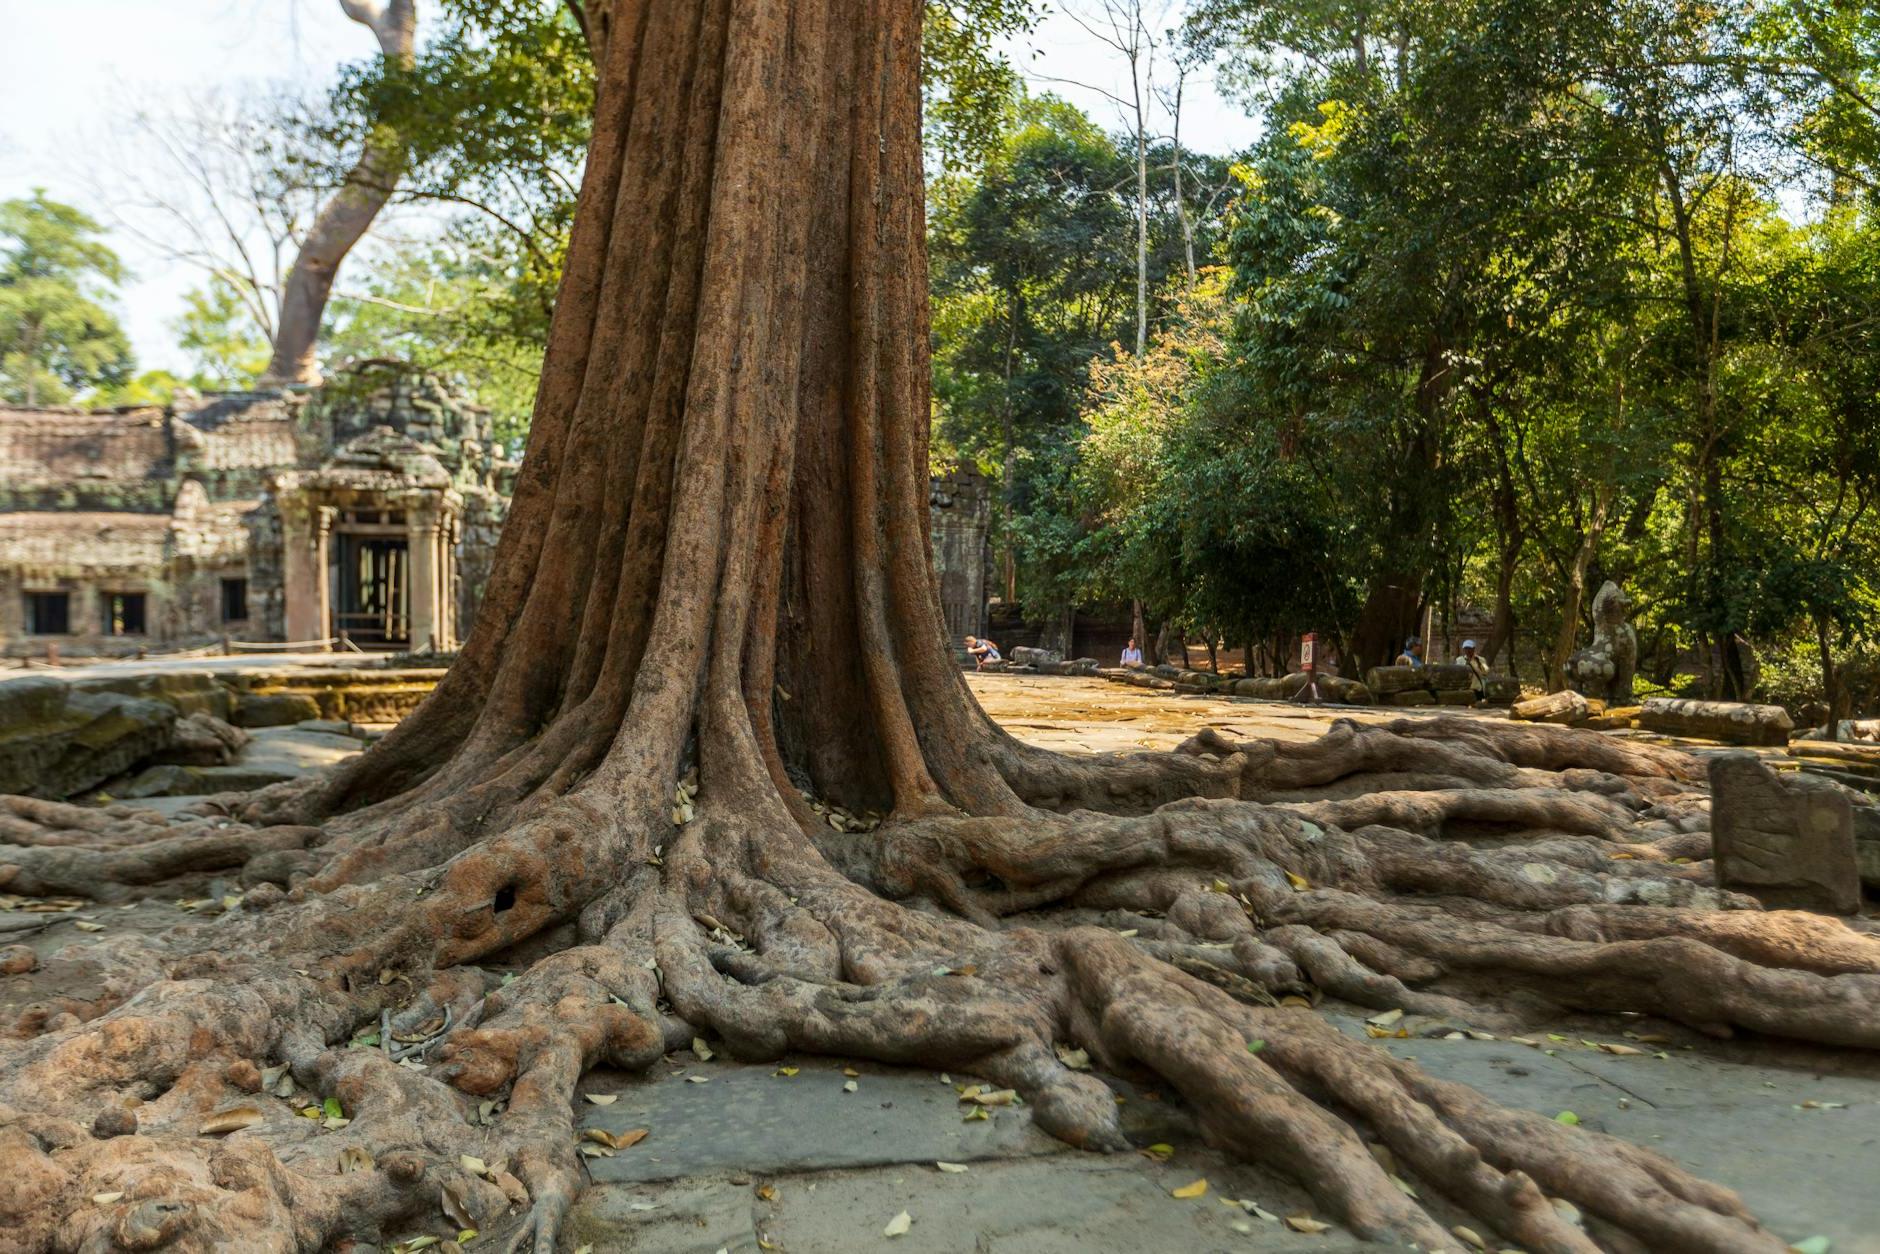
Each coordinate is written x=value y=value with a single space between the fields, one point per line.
x=422 y=593
x=323 y=566
x=303 y=572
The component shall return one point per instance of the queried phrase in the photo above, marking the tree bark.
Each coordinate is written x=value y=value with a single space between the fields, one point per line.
x=708 y=753
x=343 y=220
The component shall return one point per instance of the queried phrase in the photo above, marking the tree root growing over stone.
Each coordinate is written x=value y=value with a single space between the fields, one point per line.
x=707 y=767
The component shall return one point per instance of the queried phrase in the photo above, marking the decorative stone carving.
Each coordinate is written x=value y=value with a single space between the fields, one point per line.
x=1734 y=722
x=1556 y=707
x=1605 y=668
x=1787 y=841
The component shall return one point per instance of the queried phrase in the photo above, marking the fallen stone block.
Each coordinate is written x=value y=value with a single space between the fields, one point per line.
x=1500 y=689
x=1566 y=707
x=1025 y=655
x=275 y=709
x=1733 y=722
x=203 y=740
x=1787 y=841
x=1449 y=677
x=1415 y=696
x=57 y=741
x=1456 y=696
x=188 y=692
x=1386 y=681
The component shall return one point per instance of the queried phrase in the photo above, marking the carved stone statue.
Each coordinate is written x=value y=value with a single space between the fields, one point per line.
x=1604 y=669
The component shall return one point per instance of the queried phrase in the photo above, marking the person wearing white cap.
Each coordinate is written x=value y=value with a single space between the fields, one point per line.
x=1477 y=665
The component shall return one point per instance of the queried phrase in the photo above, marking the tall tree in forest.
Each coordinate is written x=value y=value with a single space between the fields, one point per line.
x=711 y=646
x=56 y=338
x=348 y=213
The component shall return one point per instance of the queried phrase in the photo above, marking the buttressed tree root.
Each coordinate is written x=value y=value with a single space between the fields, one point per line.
x=707 y=760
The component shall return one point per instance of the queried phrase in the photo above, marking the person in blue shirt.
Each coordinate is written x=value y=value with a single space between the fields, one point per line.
x=1412 y=655
x=982 y=651
x=1132 y=656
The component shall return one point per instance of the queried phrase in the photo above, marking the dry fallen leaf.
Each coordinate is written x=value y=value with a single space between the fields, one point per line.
x=997 y=1097
x=951 y=1168
x=456 y=1205
x=1305 y=1223
x=850 y=1086
x=1385 y=1018
x=354 y=1158
x=603 y=1099
x=512 y=1189
x=474 y=1165
x=1299 y=882
x=1198 y=1189
x=596 y=1151
x=699 y=1079
x=1160 y=1152
x=1622 y=1050
x=768 y=1192
x=700 y=1048
x=898 y=1226
x=86 y=925
x=1469 y=1236
x=233 y=1119
x=105 y=1199
x=1075 y=1059
x=786 y=1071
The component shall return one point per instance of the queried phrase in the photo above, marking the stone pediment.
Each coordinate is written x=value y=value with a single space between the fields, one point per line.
x=380 y=460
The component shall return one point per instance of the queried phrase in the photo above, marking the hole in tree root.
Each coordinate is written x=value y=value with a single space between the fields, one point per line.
x=505 y=898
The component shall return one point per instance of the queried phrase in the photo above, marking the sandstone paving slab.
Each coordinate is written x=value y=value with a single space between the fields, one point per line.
x=1057 y=1204
x=747 y=1118
x=296 y=750
x=1070 y=1204
x=1804 y=1171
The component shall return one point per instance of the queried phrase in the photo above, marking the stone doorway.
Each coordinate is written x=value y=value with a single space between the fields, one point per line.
x=374 y=581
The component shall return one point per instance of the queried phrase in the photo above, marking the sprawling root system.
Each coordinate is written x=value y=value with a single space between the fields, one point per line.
x=707 y=767
x=1536 y=863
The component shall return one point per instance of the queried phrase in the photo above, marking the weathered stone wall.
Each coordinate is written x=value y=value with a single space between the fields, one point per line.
x=961 y=514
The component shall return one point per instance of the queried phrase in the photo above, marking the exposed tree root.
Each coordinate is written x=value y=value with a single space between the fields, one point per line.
x=769 y=942
x=706 y=767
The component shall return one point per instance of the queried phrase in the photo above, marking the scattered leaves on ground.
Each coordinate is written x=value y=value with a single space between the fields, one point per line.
x=952 y=1168
x=1197 y=1189
x=354 y=1158
x=1567 y=1117
x=898 y=1226
x=850 y=1086
x=603 y=1099
x=456 y=1205
x=768 y=1192
x=105 y=1199
x=786 y=1072
x=1160 y=1152
x=1306 y=1223
x=703 y=1050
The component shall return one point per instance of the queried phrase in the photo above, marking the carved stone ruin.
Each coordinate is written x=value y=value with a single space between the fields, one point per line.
x=1734 y=722
x=1605 y=668
x=1786 y=840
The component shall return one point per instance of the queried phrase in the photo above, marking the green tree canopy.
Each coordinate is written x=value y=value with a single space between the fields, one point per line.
x=57 y=338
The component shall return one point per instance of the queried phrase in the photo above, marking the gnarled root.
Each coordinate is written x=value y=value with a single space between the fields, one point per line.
x=935 y=940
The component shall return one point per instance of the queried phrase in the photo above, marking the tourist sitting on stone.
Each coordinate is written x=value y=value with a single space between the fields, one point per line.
x=1477 y=664
x=982 y=651
x=1132 y=656
x=1412 y=655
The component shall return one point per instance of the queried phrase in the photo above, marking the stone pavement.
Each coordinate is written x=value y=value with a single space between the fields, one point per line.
x=754 y=1159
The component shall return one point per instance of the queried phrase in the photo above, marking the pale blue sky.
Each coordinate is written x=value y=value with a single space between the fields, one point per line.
x=72 y=71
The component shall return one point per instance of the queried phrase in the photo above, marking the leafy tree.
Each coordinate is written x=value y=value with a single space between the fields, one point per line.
x=57 y=339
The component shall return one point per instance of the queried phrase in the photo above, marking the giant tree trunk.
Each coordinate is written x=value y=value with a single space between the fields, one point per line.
x=344 y=219
x=711 y=647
